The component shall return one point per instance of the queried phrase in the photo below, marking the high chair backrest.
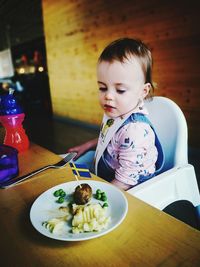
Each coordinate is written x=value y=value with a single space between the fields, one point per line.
x=178 y=179
x=170 y=125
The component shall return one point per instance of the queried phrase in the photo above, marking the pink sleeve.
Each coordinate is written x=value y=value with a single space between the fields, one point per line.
x=137 y=153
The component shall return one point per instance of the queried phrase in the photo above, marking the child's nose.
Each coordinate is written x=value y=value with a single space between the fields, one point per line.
x=108 y=96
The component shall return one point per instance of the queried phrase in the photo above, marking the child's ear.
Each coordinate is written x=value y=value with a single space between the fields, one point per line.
x=146 y=89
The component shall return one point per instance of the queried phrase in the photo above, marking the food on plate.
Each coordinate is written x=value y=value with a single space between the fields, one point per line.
x=60 y=194
x=105 y=205
x=55 y=225
x=64 y=209
x=81 y=215
x=100 y=195
x=82 y=194
x=89 y=218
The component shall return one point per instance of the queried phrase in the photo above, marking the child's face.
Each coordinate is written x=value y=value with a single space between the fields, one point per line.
x=121 y=86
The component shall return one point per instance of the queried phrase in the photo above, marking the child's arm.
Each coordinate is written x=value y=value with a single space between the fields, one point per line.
x=121 y=185
x=84 y=147
x=134 y=149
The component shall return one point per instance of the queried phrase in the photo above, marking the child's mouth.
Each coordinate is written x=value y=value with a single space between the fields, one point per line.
x=108 y=108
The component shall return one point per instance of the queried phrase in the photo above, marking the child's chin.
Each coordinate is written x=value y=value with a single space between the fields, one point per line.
x=112 y=115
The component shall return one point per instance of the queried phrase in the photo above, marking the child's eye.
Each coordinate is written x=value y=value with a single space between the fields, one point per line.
x=120 y=91
x=103 y=89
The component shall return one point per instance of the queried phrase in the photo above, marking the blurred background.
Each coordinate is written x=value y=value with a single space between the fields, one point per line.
x=49 y=50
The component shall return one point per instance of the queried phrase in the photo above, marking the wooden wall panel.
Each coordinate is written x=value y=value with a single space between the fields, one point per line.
x=76 y=31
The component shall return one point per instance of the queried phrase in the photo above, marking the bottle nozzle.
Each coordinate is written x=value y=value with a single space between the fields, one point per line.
x=11 y=91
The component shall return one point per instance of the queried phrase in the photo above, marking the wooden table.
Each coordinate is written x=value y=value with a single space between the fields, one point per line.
x=147 y=236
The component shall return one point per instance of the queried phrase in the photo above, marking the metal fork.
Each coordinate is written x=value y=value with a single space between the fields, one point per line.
x=57 y=165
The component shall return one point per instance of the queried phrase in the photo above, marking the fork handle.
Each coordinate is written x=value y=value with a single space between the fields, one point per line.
x=17 y=180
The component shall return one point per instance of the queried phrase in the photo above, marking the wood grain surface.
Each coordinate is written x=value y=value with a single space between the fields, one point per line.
x=77 y=31
x=147 y=236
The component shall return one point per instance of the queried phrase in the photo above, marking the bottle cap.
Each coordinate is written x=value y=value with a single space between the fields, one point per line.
x=9 y=104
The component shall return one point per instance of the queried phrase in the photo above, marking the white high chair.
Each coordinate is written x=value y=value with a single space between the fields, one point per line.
x=178 y=179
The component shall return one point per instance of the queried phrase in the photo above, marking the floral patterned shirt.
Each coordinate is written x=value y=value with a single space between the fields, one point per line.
x=132 y=152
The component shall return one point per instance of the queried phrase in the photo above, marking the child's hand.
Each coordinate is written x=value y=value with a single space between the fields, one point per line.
x=121 y=185
x=79 y=149
x=83 y=148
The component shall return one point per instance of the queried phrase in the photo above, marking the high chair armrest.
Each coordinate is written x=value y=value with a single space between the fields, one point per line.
x=175 y=184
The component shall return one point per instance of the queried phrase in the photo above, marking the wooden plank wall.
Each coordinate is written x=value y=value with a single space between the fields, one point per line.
x=76 y=31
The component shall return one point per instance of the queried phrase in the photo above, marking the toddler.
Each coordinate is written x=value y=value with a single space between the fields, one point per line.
x=128 y=151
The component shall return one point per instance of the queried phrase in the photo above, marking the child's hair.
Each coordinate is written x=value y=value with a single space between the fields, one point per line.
x=122 y=48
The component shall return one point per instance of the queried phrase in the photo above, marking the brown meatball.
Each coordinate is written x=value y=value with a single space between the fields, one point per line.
x=82 y=194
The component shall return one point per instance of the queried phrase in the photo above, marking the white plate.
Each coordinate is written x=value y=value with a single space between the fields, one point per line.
x=45 y=206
